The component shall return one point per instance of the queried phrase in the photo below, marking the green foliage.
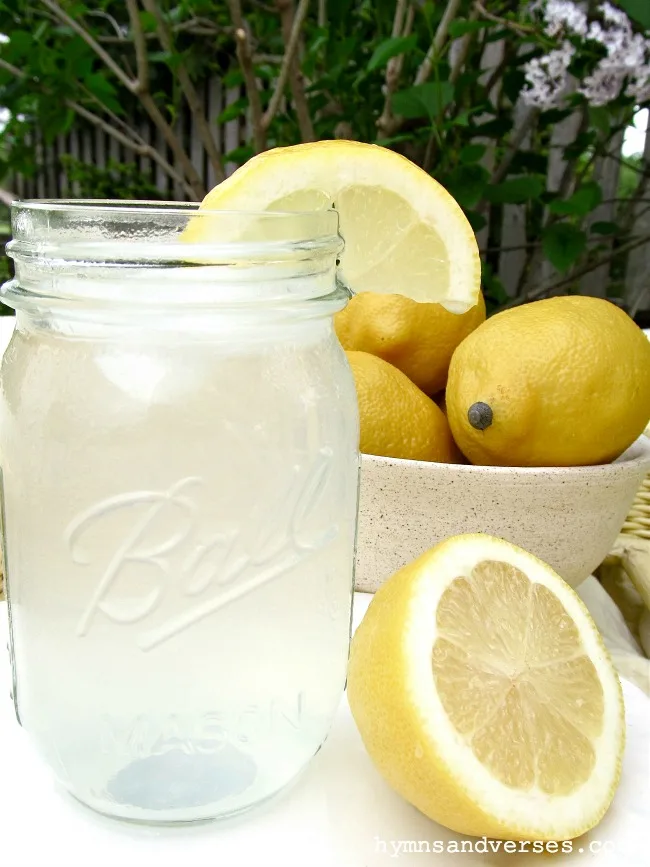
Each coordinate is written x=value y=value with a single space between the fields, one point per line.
x=426 y=100
x=639 y=10
x=582 y=202
x=114 y=181
x=562 y=244
x=458 y=122
x=390 y=48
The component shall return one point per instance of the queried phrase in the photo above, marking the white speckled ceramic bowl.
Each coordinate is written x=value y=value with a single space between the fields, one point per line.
x=567 y=516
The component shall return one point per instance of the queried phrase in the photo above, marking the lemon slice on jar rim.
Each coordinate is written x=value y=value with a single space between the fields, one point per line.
x=403 y=232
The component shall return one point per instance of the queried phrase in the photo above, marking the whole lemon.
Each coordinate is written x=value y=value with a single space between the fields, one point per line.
x=417 y=338
x=397 y=419
x=559 y=382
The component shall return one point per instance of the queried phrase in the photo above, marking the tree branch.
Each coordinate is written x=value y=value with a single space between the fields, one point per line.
x=174 y=143
x=245 y=58
x=193 y=99
x=448 y=16
x=141 y=56
x=394 y=67
x=516 y=139
x=497 y=72
x=322 y=13
x=81 y=31
x=287 y=19
x=520 y=29
x=463 y=51
x=133 y=142
x=288 y=60
x=138 y=88
x=549 y=287
x=139 y=147
x=100 y=14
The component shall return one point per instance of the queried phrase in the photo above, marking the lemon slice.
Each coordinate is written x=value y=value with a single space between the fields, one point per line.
x=403 y=232
x=485 y=696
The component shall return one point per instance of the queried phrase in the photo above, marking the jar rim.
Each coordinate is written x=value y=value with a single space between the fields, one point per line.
x=154 y=206
x=150 y=249
x=105 y=230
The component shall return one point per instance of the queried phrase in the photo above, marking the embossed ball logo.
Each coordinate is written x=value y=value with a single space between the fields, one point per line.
x=217 y=570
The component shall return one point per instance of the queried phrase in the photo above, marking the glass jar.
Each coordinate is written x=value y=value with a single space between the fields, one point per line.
x=178 y=437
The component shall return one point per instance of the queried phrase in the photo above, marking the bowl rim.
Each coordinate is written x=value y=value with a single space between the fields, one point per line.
x=635 y=456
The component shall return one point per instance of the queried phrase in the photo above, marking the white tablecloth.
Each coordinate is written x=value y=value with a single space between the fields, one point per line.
x=339 y=814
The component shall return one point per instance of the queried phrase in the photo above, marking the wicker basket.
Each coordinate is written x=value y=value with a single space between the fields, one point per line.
x=637 y=522
x=625 y=574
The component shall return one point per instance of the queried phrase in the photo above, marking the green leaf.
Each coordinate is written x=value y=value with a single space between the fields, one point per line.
x=496 y=128
x=239 y=155
x=639 y=10
x=423 y=100
x=467 y=184
x=472 y=153
x=553 y=116
x=460 y=27
x=234 y=110
x=393 y=139
x=161 y=57
x=148 y=22
x=20 y=44
x=40 y=30
x=101 y=88
x=233 y=78
x=493 y=288
x=562 y=244
x=477 y=221
x=529 y=163
x=462 y=119
x=604 y=227
x=599 y=118
x=515 y=190
x=391 y=48
x=581 y=203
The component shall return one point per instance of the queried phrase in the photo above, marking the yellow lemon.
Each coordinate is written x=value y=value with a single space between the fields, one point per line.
x=560 y=382
x=417 y=338
x=398 y=420
x=403 y=232
x=485 y=696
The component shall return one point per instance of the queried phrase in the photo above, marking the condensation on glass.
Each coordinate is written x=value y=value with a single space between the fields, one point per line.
x=178 y=437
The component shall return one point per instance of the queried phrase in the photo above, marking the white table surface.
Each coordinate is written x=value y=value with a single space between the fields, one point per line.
x=338 y=814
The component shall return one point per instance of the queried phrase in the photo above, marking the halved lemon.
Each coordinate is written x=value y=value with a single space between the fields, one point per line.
x=403 y=232
x=485 y=696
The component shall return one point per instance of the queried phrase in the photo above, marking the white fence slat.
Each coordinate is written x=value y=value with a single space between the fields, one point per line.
x=161 y=178
x=490 y=59
x=637 y=282
x=144 y=130
x=513 y=226
x=232 y=129
x=214 y=110
x=100 y=148
x=197 y=152
x=607 y=171
x=178 y=192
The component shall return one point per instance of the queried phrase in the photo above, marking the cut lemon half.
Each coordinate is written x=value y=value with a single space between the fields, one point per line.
x=485 y=696
x=403 y=232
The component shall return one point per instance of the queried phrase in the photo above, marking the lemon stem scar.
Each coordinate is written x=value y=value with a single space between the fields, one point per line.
x=480 y=415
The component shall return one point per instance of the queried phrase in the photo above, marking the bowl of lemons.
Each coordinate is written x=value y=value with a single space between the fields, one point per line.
x=526 y=426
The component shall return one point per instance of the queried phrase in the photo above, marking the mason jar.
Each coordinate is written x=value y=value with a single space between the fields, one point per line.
x=179 y=450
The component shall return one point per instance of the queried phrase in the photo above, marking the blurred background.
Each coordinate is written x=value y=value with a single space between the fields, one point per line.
x=533 y=114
